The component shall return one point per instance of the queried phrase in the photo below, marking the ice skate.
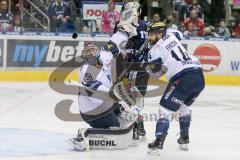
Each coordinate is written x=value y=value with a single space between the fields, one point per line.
x=135 y=134
x=156 y=146
x=183 y=142
x=141 y=130
x=80 y=143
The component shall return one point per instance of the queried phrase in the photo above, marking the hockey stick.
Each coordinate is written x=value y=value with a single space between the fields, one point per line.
x=103 y=95
x=100 y=94
x=124 y=72
x=134 y=110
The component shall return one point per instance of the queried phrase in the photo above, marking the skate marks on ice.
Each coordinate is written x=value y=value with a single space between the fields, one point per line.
x=213 y=136
x=232 y=103
x=13 y=95
x=27 y=142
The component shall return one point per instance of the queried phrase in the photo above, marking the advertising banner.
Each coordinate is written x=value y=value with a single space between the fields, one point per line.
x=94 y=9
x=42 y=53
x=236 y=3
x=217 y=57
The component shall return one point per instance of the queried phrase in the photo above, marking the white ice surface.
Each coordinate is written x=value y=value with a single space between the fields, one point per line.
x=215 y=129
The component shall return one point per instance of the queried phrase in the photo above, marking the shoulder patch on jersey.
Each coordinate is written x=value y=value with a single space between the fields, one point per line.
x=111 y=47
x=165 y=37
x=177 y=35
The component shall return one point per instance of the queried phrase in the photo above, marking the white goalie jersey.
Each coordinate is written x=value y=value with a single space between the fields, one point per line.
x=97 y=79
x=169 y=52
x=115 y=46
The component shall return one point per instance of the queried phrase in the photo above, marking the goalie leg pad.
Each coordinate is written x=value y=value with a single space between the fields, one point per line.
x=109 y=139
x=106 y=121
x=121 y=93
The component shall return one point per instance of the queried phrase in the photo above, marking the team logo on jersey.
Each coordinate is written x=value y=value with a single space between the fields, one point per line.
x=153 y=66
x=109 y=46
x=209 y=56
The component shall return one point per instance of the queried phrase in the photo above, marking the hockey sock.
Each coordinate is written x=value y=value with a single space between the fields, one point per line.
x=184 y=124
x=162 y=127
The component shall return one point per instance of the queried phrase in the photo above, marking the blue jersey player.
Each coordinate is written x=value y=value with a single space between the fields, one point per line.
x=141 y=77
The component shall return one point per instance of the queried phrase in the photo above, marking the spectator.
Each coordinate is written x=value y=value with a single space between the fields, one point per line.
x=70 y=3
x=181 y=6
x=156 y=17
x=6 y=17
x=15 y=6
x=172 y=21
x=17 y=24
x=59 y=14
x=198 y=26
x=197 y=7
x=236 y=30
x=223 y=30
x=109 y=18
x=210 y=32
x=207 y=31
x=189 y=31
x=188 y=2
x=67 y=27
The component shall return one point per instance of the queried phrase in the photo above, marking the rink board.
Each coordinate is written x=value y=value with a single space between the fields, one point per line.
x=43 y=76
x=33 y=56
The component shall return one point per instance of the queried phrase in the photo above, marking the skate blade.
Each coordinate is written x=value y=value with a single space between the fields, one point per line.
x=154 y=152
x=77 y=146
x=183 y=147
x=135 y=143
x=142 y=138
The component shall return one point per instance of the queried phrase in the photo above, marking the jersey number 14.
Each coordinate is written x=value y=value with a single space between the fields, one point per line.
x=183 y=57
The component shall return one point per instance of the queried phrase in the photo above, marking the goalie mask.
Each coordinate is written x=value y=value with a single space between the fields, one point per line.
x=132 y=5
x=129 y=18
x=90 y=53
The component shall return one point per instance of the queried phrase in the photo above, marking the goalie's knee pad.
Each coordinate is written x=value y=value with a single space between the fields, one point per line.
x=109 y=139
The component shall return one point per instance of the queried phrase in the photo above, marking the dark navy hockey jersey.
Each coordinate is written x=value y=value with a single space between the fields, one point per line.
x=6 y=17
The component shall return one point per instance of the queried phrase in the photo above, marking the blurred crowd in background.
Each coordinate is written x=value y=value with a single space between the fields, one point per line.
x=192 y=17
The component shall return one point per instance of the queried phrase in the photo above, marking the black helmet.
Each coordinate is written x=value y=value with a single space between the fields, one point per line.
x=158 y=27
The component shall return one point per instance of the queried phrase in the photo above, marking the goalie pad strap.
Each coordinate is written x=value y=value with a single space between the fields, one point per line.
x=107 y=131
